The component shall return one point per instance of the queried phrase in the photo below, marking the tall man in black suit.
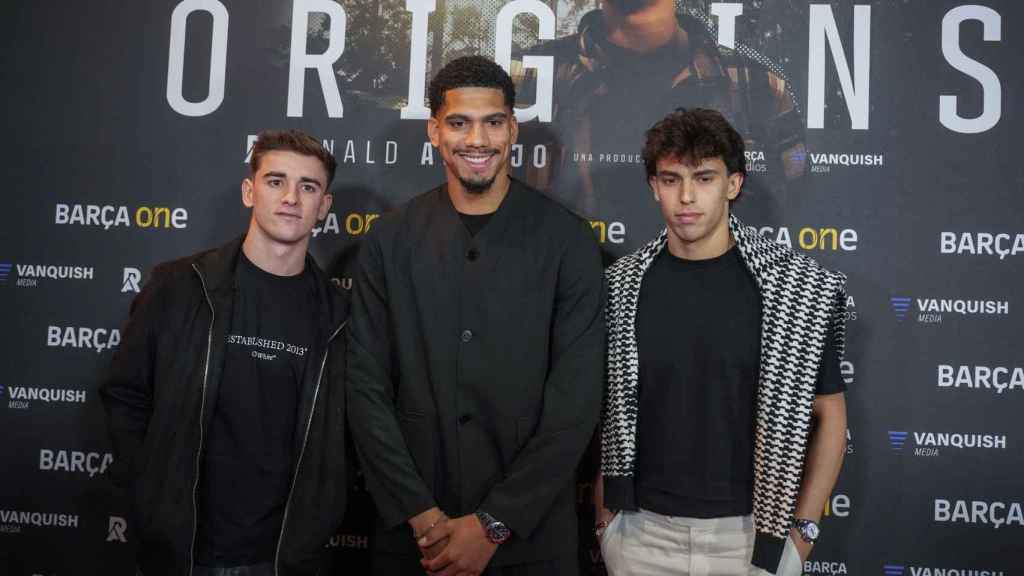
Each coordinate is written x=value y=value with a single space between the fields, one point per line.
x=476 y=354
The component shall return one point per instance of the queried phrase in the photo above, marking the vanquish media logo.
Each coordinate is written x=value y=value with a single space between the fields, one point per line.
x=897 y=440
x=929 y=443
x=893 y=569
x=900 y=570
x=933 y=310
x=901 y=306
x=29 y=275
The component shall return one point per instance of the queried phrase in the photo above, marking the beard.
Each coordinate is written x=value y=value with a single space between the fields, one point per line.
x=480 y=183
x=477 y=186
x=631 y=6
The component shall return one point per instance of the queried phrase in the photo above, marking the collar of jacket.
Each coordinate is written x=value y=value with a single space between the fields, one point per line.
x=218 y=265
x=757 y=252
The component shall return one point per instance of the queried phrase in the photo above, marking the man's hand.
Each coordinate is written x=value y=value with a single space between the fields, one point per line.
x=434 y=540
x=605 y=515
x=804 y=548
x=428 y=523
x=468 y=550
x=602 y=518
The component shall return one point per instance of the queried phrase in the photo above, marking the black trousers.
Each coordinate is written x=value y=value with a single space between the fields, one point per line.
x=395 y=565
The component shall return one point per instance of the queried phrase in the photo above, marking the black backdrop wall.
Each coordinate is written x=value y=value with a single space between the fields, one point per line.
x=126 y=131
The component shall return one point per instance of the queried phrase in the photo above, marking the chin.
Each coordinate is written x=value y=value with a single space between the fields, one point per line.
x=477 y=186
x=288 y=236
x=690 y=234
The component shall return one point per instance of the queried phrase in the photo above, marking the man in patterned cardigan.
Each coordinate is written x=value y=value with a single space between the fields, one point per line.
x=724 y=422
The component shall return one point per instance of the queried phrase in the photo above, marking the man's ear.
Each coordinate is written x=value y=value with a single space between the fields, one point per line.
x=650 y=182
x=325 y=205
x=247 y=193
x=433 y=131
x=735 y=184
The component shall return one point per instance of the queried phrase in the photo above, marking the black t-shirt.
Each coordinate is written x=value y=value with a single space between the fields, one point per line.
x=474 y=223
x=248 y=457
x=699 y=337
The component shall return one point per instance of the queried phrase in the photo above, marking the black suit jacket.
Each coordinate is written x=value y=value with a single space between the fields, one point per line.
x=476 y=367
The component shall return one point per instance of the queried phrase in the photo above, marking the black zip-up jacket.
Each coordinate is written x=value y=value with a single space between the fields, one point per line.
x=159 y=397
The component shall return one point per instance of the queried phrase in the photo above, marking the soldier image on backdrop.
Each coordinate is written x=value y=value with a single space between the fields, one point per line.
x=630 y=63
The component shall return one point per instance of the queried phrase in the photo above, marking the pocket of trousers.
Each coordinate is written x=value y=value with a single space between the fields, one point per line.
x=609 y=528
x=610 y=543
x=790 y=564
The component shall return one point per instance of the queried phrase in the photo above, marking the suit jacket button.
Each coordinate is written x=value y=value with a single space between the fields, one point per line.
x=467 y=335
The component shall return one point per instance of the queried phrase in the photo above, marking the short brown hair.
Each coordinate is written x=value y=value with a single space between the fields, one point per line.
x=292 y=141
x=694 y=135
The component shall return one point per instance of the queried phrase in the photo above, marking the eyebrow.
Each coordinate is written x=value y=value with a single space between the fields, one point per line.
x=695 y=174
x=494 y=116
x=301 y=178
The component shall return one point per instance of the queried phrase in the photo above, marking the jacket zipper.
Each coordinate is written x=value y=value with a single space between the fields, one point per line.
x=302 y=451
x=202 y=416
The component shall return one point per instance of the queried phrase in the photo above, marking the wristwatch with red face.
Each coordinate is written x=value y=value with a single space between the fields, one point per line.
x=496 y=531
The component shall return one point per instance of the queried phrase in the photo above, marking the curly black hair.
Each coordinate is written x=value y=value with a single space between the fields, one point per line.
x=470 y=72
x=694 y=135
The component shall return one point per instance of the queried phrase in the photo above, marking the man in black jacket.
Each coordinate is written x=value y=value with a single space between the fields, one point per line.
x=224 y=403
x=476 y=354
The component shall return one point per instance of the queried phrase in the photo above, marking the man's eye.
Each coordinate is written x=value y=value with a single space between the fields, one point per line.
x=456 y=123
x=275 y=182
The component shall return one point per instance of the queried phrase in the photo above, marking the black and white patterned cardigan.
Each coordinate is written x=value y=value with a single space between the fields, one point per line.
x=802 y=304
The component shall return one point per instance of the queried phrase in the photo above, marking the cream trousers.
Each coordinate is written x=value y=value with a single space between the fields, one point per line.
x=647 y=544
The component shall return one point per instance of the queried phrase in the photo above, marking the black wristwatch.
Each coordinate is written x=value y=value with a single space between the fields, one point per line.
x=808 y=529
x=496 y=531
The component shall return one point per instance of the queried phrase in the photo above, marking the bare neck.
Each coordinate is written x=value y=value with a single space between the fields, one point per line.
x=274 y=257
x=487 y=202
x=645 y=30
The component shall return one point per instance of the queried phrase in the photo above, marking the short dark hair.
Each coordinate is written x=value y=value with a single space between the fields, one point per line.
x=470 y=72
x=292 y=141
x=694 y=135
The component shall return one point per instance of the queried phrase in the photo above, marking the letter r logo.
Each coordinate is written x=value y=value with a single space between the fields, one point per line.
x=130 y=283
x=118 y=526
